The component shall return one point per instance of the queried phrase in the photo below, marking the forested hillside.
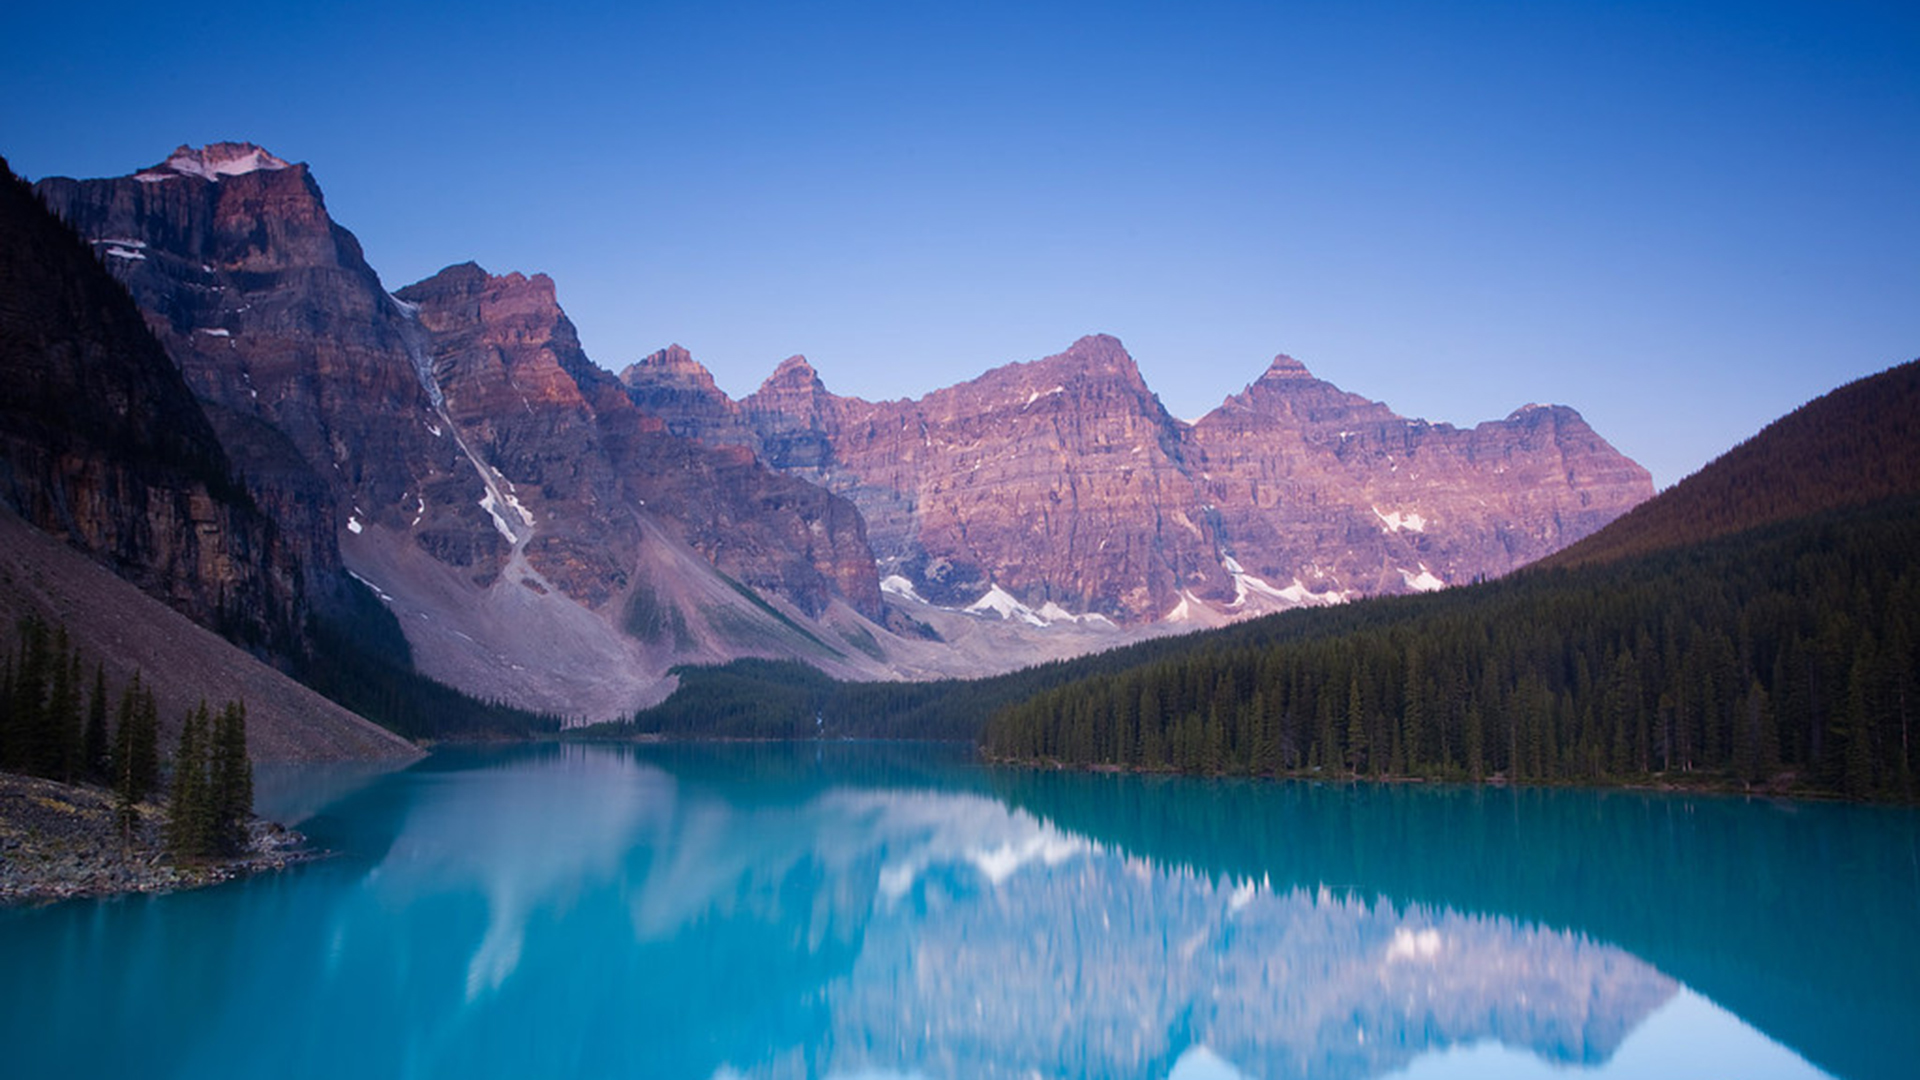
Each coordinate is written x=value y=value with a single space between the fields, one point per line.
x=1782 y=655
x=1851 y=447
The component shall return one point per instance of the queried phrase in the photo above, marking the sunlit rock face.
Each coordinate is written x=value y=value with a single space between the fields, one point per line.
x=1063 y=481
x=307 y=366
x=1306 y=475
x=451 y=445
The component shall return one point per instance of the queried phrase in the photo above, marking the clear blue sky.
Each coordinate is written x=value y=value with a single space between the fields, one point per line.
x=1682 y=219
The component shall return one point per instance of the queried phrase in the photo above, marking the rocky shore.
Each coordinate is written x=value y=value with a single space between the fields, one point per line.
x=61 y=841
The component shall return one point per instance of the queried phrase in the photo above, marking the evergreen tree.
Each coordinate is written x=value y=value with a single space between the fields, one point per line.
x=63 y=713
x=27 y=747
x=94 y=743
x=190 y=809
x=231 y=777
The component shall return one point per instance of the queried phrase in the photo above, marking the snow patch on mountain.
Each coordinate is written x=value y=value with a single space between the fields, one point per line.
x=1423 y=581
x=1250 y=588
x=999 y=601
x=492 y=507
x=1187 y=610
x=1054 y=613
x=213 y=162
x=897 y=585
x=1399 y=521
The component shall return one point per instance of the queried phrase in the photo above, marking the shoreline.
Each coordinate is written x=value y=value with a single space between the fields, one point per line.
x=61 y=842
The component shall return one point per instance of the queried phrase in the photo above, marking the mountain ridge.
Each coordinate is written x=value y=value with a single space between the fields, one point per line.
x=1284 y=495
x=537 y=523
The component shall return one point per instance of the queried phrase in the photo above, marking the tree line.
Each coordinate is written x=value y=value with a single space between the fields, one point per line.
x=1786 y=655
x=54 y=723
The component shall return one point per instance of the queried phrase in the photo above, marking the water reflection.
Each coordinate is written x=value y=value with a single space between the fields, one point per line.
x=873 y=911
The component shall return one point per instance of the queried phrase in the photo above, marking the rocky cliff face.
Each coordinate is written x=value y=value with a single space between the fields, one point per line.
x=102 y=443
x=1061 y=486
x=494 y=345
x=580 y=455
x=1315 y=484
x=450 y=445
x=278 y=323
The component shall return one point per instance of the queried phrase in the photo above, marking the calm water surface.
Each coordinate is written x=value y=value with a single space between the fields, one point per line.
x=889 y=911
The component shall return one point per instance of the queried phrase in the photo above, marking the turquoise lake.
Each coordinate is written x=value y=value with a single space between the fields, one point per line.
x=875 y=910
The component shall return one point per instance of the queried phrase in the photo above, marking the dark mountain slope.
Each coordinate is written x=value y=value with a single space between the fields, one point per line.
x=103 y=445
x=1851 y=447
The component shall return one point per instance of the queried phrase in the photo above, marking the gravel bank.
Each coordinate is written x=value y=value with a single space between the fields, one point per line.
x=59 y=841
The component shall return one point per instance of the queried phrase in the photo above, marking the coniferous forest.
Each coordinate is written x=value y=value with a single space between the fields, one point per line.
x=1786 y=656
x=54 y=723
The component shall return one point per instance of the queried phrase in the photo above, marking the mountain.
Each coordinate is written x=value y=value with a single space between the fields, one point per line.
x=543 y=542
x=1062 y=488
x=119 y=518
x=1851 y=447
x=103 y=445
x=554 y=538
x=1777 y=651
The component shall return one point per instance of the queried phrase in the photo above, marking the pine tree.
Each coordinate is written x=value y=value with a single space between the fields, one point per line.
x=231 y=776
x=94 y=742
x=190 y=823
x=26 y=746
x=1357 y=747
x=63 y=712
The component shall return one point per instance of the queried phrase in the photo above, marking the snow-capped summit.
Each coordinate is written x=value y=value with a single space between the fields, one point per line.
x=211 y=162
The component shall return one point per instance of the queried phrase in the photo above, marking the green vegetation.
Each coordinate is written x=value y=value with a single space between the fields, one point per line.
x=862 y=639
x=42 y=734
x=212 y=795
x=1783 y=656
x=1755 y=625
x=729 y=622
x=784 y=699
x=359 y=658
x=1853 y=447
x=648 y=619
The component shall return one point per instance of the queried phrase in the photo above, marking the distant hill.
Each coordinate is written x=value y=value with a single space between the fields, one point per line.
x=1853 y=446
x=1755 y=626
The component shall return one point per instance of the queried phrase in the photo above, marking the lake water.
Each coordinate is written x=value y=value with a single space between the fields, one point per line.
x=895 y=911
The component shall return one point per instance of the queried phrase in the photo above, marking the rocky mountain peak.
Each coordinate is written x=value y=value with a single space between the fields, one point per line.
x=672 y=367
x=1536 y=413
x=1102 y=354
x=214 y=162
x=794 y=373
x=1285 y=367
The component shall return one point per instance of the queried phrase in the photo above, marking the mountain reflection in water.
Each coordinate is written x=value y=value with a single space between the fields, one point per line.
x=844 y=911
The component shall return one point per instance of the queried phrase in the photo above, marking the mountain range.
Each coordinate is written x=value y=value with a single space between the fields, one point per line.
x=555 y=538
x=1753 y=626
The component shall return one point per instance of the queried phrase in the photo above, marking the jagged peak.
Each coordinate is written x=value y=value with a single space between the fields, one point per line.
x=1095 y=355
x=471 y=279
x=1536 y=411
x=674 y=357
x=1099 y=350
x=795 y=366
x=214 y=161
x=1286 y=367
x=794 y=373
x=673 y=364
